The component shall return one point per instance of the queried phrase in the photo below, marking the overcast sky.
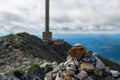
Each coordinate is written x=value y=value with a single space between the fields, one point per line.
x=66 y=16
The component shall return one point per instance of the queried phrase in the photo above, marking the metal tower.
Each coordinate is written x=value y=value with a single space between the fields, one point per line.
x=47 y=35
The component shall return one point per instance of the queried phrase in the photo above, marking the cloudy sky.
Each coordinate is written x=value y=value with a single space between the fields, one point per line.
x=67 y=16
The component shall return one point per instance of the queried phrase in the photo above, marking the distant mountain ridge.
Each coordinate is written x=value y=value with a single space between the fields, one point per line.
x=106 y=45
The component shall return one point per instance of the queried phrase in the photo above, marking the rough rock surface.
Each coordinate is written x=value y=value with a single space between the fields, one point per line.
x=111 y=64
x=17 y=49
x=21 y=51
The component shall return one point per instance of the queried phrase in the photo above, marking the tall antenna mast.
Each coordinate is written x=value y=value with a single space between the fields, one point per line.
x=47 y=35
x=47 y=15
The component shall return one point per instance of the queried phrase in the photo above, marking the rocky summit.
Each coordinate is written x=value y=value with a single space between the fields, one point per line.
x=27 y=56
x=16 y=49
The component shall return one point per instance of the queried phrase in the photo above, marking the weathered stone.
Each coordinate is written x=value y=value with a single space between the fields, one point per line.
x=34 y=73
x=16 y=48
x=20 y=51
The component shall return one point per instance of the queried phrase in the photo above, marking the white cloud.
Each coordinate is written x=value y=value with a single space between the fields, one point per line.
x=67 y=16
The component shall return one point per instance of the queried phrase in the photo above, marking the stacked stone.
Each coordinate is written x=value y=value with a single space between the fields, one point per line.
x=81 y=65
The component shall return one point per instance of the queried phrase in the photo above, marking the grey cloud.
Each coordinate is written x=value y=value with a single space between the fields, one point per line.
x=9 y=17
x=100 y=28
x=77 y=28
x=62 y=19
x=80 y=28
x=66 y=28
x=115 y=21
x=65 y=15
x=24 y=10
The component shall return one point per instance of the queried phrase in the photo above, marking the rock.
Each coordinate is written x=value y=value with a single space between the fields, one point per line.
x=48 y=69
x=8 y=76
x=34 y=73
x=17 y=48
x=20 y=51
x=18 y=74
x=115 y=73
